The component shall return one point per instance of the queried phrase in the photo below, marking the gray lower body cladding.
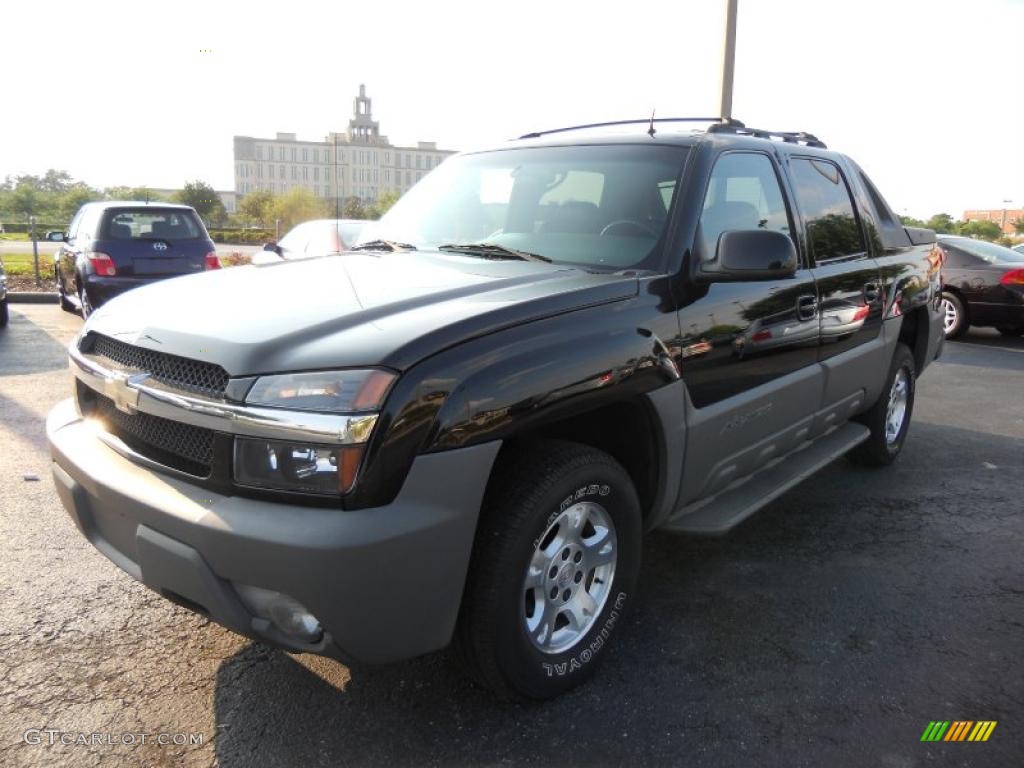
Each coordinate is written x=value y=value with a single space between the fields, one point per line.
x=385 y=583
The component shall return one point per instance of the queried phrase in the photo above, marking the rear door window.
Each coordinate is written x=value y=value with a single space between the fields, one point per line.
x=824 y=199
x=152 y=224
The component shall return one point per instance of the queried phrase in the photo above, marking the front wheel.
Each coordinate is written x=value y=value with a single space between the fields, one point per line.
x=889 y=417
x=4 y=314
x=554 y=567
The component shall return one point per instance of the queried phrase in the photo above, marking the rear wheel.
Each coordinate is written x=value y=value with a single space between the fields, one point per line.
x=889 y=417
x=4 y=314
x=554 y=566
x=1011 y=330
x=83 y=299
x=954 y=318
x=66 y=304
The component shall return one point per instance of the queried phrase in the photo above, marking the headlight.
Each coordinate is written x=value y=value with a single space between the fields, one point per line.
x=319 y=469
x=325 y=391
x=327 y=470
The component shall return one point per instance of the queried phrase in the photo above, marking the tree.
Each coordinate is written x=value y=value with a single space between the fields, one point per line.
x=910 y=221
x=1019 y=226
x=56 y=181
x=74 y=198
x=203 y=198
x=985 y=230
x=942 y=223
x=354 y=208
x=383 y=204
x=297 y=205
x=258 y=208
x=145 y=194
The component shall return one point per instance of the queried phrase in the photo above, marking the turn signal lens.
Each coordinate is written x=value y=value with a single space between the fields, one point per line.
x=212 y=262
x=327 y=391
x=102 y=264
x=1013 y=277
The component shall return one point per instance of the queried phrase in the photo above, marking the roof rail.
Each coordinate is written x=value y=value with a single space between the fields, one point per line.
x=646 y=120
x=790 y=137
x=718 y=125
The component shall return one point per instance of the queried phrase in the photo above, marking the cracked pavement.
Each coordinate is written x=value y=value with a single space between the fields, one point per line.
x=829 y=629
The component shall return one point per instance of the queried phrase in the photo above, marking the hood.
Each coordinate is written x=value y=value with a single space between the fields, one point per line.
x=349 y=310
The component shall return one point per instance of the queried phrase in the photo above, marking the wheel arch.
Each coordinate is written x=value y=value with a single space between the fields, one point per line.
x=914 y=333
x=633 y=432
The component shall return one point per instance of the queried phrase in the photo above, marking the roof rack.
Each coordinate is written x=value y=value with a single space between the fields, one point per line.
x=718 y=125
x=646 y=120
x=790 y=137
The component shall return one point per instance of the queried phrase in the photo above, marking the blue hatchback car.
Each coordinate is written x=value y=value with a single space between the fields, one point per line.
x=114 y=246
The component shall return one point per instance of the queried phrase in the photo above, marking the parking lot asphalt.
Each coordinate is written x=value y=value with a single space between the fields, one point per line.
x=828 y=630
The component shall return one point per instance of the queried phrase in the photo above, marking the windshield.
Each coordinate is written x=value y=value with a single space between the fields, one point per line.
x=597 y=206
x=990 y=252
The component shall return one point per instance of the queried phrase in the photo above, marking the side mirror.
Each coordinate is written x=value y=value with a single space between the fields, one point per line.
x=273 y=247
x=752 y=254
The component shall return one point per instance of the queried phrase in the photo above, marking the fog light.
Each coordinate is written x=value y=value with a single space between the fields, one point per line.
x=284 y=612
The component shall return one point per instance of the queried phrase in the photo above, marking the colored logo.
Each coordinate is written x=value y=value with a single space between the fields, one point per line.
x=958 y=730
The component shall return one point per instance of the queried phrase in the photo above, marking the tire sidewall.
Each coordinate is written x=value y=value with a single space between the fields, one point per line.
x=83 y=298
x=904 y=361
x=541 y=674
x=961 y=316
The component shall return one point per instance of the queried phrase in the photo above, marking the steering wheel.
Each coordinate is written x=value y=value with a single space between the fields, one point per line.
x=636 y=225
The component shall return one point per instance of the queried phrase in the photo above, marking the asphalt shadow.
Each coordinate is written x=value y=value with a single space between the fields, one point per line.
x=26 y=348
x=876 y=598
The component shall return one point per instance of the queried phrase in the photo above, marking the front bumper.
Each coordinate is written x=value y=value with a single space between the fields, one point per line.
x=385 y=583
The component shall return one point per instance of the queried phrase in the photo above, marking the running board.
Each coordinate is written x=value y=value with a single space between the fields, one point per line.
x=733 y=505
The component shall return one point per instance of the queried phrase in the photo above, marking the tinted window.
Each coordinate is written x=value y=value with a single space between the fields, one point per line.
x=824 y=199
x=601 y=206
x=743 y=193
x=152 y=223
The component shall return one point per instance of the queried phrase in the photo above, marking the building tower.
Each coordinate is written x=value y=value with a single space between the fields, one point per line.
x=362 y=128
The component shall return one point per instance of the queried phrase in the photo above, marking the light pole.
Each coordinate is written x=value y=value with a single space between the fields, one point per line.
x=728 y=60
x=337 y=203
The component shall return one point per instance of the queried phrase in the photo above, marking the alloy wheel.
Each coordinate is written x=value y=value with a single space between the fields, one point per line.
x=569 y=577
x=897 y=410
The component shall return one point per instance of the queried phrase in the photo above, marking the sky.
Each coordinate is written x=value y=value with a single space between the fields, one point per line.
x=927 y=96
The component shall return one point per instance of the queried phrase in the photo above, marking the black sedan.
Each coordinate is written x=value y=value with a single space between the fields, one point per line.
x=984 y=285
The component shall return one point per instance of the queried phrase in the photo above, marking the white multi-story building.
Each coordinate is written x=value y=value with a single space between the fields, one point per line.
x=357 y=163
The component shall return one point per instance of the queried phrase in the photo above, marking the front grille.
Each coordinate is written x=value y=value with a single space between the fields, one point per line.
x=179 y=372
x=171 y=443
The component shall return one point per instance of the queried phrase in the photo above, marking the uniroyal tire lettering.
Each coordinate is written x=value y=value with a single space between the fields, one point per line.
x=588 y=653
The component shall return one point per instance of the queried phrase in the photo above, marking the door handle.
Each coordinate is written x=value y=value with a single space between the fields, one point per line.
x=871 y=292
x=807 y=306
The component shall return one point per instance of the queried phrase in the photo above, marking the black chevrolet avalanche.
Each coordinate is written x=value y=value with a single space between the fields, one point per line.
x=460 y=429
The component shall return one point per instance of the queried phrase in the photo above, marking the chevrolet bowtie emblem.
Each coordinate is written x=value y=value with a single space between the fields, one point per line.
x=123 y=389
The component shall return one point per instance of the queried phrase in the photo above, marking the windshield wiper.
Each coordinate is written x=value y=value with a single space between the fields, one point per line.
x=492 y=251
x=383 y=245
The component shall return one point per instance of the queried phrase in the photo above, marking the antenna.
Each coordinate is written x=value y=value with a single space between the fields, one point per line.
x=650 y=129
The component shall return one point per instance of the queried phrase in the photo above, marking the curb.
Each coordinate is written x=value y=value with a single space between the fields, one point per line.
x=32 y=297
